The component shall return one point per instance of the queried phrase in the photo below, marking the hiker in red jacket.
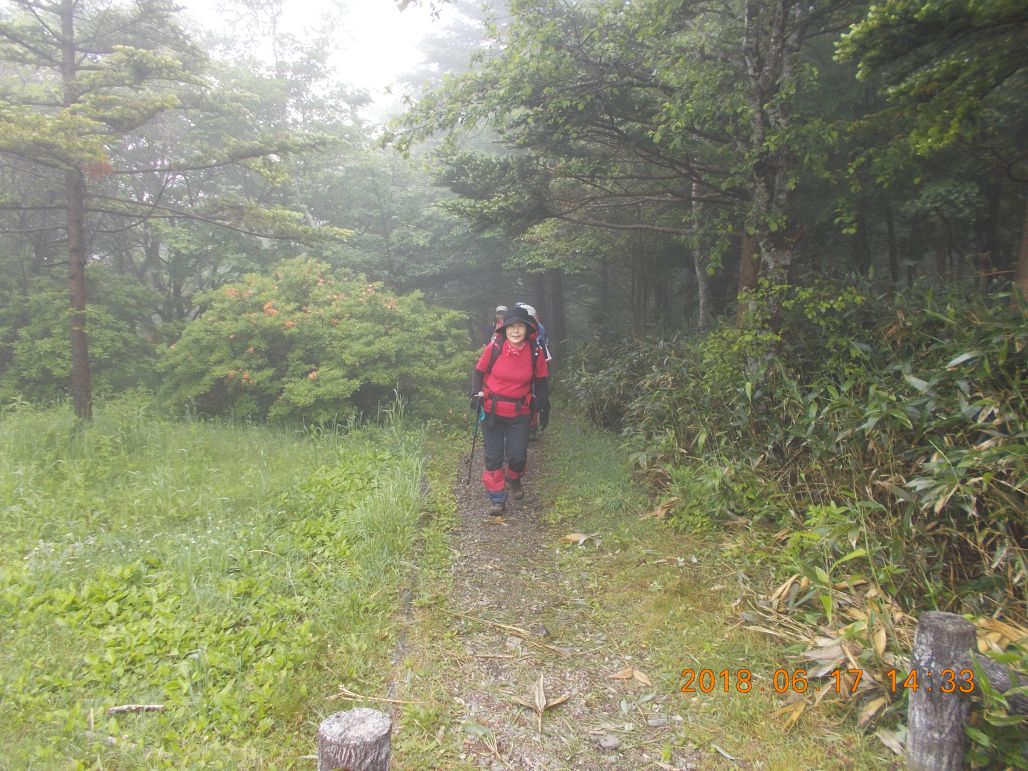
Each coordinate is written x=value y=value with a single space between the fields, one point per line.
x=501 y=311
x=508 y=371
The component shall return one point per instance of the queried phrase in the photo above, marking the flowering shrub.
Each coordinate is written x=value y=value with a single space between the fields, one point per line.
x=313 y=343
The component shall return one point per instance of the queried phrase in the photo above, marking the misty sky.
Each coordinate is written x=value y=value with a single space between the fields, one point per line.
x=375 y=42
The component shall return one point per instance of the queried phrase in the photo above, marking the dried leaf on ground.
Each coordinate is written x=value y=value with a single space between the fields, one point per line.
x=881 y=639
x=791 y=712
x=578 y=538
x=871 y=709
x=631 y=674
x=998 y=635
x=894 y=740
x=661 y=511
x=540 y=703
x=778 y=595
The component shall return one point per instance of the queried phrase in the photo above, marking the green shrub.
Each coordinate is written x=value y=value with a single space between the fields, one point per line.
x=884 y=439
x=309 y=343
x=907 y=413
x=35 y=353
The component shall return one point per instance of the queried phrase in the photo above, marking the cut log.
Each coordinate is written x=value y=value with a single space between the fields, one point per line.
x=355 y=740
x=935 y=719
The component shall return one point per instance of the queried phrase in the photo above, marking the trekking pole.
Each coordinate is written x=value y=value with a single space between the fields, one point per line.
x=474 y=441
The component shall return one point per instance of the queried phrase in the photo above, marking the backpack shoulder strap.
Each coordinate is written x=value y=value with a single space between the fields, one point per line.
x=494 y=354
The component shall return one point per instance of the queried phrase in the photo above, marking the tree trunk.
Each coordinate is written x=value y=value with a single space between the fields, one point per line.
x=1020 y=293
x=663 y=275
x=913 y=250
x=861 y=244
x=539 y=301
x=986 y=259
x=773 y=35
x=81 y=385
x=701 y=262
x=749 y=265
x=558 y=331
x=890 y=226
x=942 y=253
x=75 y=205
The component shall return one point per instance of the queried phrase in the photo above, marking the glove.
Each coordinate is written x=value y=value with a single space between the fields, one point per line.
x=476 y=402
x=544 y=415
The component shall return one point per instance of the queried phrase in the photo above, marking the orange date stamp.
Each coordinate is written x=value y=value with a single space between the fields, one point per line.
x=841 y=681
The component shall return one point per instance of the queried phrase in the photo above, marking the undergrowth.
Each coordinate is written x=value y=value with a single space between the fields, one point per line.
x=879 y=442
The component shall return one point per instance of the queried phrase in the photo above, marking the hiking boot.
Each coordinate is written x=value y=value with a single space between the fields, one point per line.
x=517 y=492
x=495 y=509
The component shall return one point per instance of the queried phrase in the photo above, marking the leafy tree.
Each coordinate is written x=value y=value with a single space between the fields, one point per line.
x=954 y=73
x=309 y=342
x=660 y=116
x=95 y=94
x=34 y=354
x=98 y=73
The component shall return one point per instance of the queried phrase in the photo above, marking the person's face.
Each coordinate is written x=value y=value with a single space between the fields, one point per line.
x=516 y=333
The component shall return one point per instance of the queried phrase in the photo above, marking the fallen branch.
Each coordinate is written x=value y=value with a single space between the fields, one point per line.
x=346 y=693
x=723 y=753
x=135 y=708
x=522 y=633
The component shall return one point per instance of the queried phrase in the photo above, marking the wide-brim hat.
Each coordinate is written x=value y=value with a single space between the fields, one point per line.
x=515 y=315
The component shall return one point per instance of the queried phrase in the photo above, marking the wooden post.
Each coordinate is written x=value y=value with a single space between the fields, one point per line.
x=355 y=740
x=935 y=719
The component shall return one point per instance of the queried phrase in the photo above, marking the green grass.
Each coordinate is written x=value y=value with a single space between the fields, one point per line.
x=676 y=601
x=234 y=574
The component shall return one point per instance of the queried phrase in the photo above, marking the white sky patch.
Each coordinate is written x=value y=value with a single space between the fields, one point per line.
x=376 y=42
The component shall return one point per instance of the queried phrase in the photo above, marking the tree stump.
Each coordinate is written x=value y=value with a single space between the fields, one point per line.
x=355 y=740
x=935 y=719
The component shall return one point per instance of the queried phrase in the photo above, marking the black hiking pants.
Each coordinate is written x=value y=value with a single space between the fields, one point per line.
x=506 y=438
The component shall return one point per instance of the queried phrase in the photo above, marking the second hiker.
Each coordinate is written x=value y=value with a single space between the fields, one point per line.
x=507 y=374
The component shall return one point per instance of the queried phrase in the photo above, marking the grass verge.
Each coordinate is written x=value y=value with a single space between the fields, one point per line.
x=677 y=602
x=234 y=575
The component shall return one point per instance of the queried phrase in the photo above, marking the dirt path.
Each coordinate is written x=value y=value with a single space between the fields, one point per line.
x=607 y=624
x=520 y=611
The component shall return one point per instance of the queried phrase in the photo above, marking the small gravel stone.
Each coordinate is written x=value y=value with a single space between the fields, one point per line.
x=658 y=722
x=610 y=742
